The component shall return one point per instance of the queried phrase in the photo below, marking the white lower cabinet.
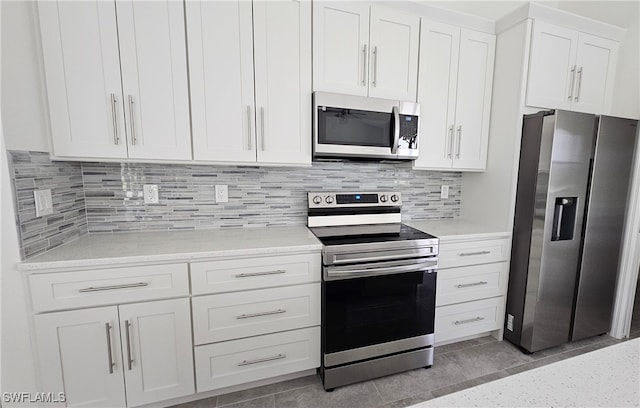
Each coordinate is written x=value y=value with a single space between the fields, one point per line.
x=466 y=319
x=234 y=362
x=91 y=354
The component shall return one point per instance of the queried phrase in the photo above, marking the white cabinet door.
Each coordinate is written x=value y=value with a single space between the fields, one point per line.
x=82 y=68
x=341 y=47
x=79 y=354
x=220 y=40
x=157 y=350
x=439 y=45
x=282 y=38
x=393 y=63
x=596 y=62
x=154 y=79
x=473 y=100
x=552 y=67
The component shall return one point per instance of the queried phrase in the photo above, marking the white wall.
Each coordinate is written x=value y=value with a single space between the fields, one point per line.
x=24 y=111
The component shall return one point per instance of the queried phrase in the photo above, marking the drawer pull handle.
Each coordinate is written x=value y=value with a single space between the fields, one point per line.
x=261 y=360
x=474 y=253
x=112 y=363
x=271 y=312
x=113 y=287
x=466 y=285
x=475 y=319
x=246 y=275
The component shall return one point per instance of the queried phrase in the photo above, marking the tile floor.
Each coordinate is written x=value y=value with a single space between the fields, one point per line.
x=456 y=367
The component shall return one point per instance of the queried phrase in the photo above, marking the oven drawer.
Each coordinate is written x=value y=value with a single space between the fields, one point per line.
x=466 y=283
x=473 y=252
x=254 y=273
x=242 y=314
x=69 y=290
x=240 y=361
x=466 y=319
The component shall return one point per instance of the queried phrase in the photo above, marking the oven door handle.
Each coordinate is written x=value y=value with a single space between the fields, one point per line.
x=336 y=273
x=381 y=255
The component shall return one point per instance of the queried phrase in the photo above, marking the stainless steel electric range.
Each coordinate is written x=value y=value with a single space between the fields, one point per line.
x=378 y=287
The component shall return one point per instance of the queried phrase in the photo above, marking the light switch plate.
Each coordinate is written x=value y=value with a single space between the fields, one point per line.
x=444 y=191
x=222 y=193
x=150 y=193
x=44 y=203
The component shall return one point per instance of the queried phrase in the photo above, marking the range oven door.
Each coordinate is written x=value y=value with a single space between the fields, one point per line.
x=355 y=126
x=377 y=314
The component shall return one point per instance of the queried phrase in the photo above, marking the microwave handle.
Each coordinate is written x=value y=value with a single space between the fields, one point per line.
x=396 y=130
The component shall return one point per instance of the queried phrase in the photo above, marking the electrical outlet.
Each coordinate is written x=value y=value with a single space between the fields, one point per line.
x=150 y=193
x=444 y=191
x=44 y=203
x=222 y=193
x=510 y=322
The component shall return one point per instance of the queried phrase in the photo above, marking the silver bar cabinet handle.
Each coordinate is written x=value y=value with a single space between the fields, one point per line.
x=467 y=285
x=262 y=141
x=572 y=82
x=579 y=80
x=450 y=148
x=132 y=123
x=459 y=141
x=114 y=118
x=475 y=319
x=248 y=127
x=474 y=253
x=127 y=325
x=246 y=275
x=364 y=65
x=112 y=287
x=261 y=360
x=112 y=363
x=375 y=66
x=272 y=312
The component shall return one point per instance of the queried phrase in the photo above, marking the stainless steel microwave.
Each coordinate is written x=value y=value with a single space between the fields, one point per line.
x=350 y=126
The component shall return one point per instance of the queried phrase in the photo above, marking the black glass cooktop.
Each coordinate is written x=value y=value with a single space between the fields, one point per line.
x=363 y=234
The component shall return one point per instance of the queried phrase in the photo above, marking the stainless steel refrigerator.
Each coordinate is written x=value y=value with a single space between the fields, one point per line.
x=573 y=184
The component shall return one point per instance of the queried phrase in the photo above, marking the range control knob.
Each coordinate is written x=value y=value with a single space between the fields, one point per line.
x=394 y=198
x=317 y=200
x=383 y=198
x=329 y=199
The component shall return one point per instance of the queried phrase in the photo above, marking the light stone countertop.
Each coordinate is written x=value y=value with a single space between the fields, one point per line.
x=127 y=248
x=459 y=229
x=608 y=377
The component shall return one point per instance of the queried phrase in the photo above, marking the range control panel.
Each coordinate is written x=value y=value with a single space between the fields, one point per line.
x=323 y=199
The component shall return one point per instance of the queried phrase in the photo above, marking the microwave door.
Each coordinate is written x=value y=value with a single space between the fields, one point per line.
x=346 y=132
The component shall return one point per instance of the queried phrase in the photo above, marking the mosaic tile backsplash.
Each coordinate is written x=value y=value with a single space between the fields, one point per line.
x=34 y=171
x=107 y=197
x=258 y=196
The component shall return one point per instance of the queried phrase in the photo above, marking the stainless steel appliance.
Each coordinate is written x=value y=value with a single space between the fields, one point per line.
x=378 y=287
x=570 y=205
x=359 y=127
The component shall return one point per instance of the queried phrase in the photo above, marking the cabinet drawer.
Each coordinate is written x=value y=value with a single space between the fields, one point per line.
x=242 y=314
x=240 y=361
x=466 y=283
x=466 y=319
x=254 y=273
x=68 y=290
x=473 y=252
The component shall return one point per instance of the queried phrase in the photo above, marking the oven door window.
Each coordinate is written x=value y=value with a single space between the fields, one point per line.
x=353 y=127
x=365 y=311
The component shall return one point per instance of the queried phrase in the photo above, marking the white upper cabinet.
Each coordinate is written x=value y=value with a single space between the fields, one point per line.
x=454 y=88
x=82 y=69
x=393 y=65
x=237 y=118
x=570 y=70
x=365 y=50
x=116 y=79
